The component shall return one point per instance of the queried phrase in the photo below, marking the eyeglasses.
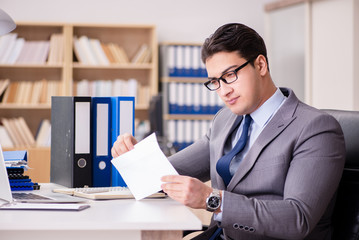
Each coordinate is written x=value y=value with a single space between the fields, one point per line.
x=228 y=77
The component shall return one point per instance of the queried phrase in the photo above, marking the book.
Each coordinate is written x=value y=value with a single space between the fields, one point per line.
x=99 y=53
x=4 y=83
x=108 y=53
x=10 y=132
x=79 y=52
x=140 y=54
x=9 y=43
x=16 y=51
x=44 y=134
x=5 y=139
x=10 y=92
x=56 y=52
x=25 y=131
x=103 y=192
x=89 y=53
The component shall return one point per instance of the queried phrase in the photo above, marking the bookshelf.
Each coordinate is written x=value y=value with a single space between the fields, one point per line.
x=130 y=38
x=188 y=106
x=65 y=70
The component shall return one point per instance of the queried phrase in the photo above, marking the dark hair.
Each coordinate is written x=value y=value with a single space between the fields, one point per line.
x=235 y=37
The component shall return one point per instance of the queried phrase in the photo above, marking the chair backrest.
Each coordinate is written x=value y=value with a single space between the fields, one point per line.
x=155 y=115
x=346 y=210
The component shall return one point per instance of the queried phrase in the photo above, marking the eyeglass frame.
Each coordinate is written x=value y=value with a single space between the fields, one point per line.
x=235 y=71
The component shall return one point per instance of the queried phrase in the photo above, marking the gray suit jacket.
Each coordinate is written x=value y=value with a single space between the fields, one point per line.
x=285 y=186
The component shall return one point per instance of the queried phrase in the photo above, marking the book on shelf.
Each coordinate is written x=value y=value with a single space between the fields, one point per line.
x=19 y=132
x=4 y=83
x=5 y=140
x=99 y=52
x=118 y=53
x=14 y=132
x=89 y=52
x=108 y=53
x=92 y=51
x=34 y=52
x=31 y=92
x=19 y=50
x=15 y=127
x=15 y=51
x=7 y=43
x=56 y=52
x=25 y=131
x=10 y=131
x=10 y=92
x=79 y=52
x=117 y=87
x=143 y=55
x=43 y=136
x=100 y=193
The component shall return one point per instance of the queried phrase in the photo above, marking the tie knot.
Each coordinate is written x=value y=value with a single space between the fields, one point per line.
x=247 y=120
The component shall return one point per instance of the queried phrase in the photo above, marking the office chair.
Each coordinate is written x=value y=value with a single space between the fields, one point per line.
x=345 y=220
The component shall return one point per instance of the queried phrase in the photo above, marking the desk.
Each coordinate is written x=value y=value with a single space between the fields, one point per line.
x=160 y=219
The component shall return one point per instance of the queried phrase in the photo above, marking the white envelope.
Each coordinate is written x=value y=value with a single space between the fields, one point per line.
x=143 y=167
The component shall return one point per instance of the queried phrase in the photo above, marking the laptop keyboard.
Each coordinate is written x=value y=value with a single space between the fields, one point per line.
x=28 y=196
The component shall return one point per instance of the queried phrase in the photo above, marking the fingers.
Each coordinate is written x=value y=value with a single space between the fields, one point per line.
x=186 y=190
x=124 y=143
x=173 y=178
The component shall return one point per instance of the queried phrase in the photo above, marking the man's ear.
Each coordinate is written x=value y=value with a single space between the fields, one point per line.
x=261 y=64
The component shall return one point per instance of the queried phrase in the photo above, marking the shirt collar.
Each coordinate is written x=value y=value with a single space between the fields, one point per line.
x=262 y=115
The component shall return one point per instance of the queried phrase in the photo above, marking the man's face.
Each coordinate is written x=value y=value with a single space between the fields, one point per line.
x=244 y=95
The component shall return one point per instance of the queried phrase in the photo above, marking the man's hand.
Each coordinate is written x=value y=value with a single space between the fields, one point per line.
x=186 y=190
x=124 y=143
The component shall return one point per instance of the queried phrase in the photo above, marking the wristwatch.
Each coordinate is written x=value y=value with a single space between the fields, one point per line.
x=213 y=201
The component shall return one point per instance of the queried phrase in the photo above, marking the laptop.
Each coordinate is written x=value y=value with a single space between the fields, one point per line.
x=30 y=200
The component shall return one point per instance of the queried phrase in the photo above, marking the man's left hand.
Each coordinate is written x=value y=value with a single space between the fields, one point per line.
x=186 y=190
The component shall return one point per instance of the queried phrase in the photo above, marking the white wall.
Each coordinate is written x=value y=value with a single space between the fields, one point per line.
x=286 y=47
x=176 y=21
x=335 y=47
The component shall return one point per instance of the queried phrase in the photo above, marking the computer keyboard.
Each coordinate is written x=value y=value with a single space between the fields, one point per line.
x=28 y=196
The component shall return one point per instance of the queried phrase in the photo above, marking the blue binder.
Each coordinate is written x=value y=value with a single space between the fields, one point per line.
x=123 y=121
x=102 y=119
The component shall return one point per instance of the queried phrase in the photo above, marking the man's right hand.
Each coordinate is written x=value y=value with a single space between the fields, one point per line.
x=124 y=143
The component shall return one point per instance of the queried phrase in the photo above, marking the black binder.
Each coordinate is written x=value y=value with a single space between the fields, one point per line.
x=71 y=141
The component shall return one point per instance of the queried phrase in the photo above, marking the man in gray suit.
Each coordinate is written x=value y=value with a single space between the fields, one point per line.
x=282 y=182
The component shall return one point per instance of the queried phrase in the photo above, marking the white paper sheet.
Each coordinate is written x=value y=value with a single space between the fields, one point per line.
x=143 y=167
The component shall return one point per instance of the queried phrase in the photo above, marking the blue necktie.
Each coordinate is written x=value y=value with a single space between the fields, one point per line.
x=225 y=161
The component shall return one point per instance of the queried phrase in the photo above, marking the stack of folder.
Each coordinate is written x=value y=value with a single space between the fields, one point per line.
x=16 y=163
x=83 y=130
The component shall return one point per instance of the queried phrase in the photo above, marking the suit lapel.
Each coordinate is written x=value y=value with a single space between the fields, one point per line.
x=277 y=124
x=271 y=131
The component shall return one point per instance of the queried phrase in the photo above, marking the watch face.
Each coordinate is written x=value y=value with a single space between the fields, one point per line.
x=213 y=202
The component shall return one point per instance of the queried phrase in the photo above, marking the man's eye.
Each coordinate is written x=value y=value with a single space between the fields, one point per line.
x=214 y=82
x=229 y=75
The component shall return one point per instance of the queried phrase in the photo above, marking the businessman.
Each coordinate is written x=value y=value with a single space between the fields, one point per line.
x=274 y=162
